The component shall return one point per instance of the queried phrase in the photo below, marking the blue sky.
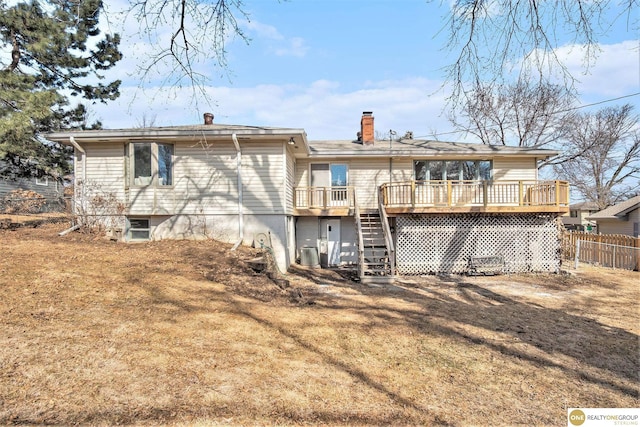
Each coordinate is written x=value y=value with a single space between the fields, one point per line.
x=318 y=65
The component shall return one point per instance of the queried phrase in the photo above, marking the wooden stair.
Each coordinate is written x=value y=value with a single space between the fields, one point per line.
x=376 y=266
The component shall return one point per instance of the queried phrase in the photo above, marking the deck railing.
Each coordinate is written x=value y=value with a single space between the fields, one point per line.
x=475 y=193
x=360 y=240
x=324 y=197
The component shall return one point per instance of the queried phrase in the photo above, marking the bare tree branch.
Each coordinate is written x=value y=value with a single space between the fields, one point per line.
x=197 y=31
x=608 y=167
x=518 y=114
x=493 y=38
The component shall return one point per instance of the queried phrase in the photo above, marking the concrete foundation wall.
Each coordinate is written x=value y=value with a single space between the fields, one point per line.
x=307 y=234
x=311 y=232
x=225 y=228
x=349 y=241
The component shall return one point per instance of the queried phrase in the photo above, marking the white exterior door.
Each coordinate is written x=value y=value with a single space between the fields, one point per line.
x=333 y=242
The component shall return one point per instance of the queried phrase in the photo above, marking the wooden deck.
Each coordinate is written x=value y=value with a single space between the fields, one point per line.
x=324 y=201
x=476 y=196
x=409 y=197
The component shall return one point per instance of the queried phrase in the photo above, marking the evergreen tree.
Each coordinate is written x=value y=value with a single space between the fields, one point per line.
x=54 y=52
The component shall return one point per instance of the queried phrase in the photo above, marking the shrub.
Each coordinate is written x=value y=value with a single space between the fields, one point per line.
x=23 y=201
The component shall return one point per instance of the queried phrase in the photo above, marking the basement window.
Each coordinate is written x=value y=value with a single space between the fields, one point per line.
x=138 y=229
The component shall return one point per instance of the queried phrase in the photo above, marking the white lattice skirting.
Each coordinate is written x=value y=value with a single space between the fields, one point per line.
x=445 y=244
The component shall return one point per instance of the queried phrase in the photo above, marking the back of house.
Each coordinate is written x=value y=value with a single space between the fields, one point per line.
x=406 y=206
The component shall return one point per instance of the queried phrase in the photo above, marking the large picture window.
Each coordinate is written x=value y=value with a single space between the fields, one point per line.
x=150 y=163
x=453 y=170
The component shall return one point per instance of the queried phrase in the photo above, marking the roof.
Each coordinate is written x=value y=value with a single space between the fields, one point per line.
x=421 y=147
x=303 y=147
x=584 y=206
x=617 y=211
x=188 y=131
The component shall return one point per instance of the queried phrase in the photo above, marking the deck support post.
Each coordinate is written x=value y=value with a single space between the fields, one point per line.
x=520 y=194
x=484 y=193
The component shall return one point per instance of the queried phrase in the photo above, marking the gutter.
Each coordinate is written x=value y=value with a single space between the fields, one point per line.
x=240 y=198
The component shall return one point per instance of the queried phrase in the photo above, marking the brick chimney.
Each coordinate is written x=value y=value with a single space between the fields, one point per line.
x=208 y=118
x=366 y=128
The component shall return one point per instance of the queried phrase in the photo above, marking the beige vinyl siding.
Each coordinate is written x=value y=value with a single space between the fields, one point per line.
x=263 y=178
x=515 y=169
x=402 y=170
x=621 y=226
x=105 y=170
x=302 y=173
x=205 y=182
x=205 y=179
x=291 y=180
x=366 y=175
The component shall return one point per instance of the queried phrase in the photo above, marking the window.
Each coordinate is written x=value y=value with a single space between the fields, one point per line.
x=138 y=229
x=328 y=175
x=42 y=181
x=150 y=163
x=165 y=164
x=333 y=176
x=436 y=170
x=338 y=175
x=573 y=214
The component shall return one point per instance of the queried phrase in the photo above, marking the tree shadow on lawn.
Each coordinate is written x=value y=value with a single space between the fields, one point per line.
x=450 y=304
x=454 y=308
x=554 y=333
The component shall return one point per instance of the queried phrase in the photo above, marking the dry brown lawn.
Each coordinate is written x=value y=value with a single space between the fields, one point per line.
x=95 y=332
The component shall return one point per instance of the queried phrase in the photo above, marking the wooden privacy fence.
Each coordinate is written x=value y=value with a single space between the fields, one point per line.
x=607 y=250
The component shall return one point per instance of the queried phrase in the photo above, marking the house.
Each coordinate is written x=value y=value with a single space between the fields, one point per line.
x=50 y=188
x=408 y=207
x=622 y=218
x=577 y=220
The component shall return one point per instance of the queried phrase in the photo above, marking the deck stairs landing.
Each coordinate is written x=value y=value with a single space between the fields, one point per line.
x=376 y=266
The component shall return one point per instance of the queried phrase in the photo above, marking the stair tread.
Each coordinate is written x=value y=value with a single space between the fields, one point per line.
x=375 y=265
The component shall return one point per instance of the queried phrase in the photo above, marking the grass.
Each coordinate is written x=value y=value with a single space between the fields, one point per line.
x=183 y=333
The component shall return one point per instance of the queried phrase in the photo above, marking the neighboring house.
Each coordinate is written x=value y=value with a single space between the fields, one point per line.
x=623 y=218
x=577 y=220
x=406 y=207
x=48 y=187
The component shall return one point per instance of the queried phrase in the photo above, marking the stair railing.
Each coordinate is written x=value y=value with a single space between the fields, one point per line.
x=356 y=211
x=388 y=238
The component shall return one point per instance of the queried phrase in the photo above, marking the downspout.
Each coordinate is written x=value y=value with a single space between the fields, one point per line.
x=77 y=146
x=240 y=200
